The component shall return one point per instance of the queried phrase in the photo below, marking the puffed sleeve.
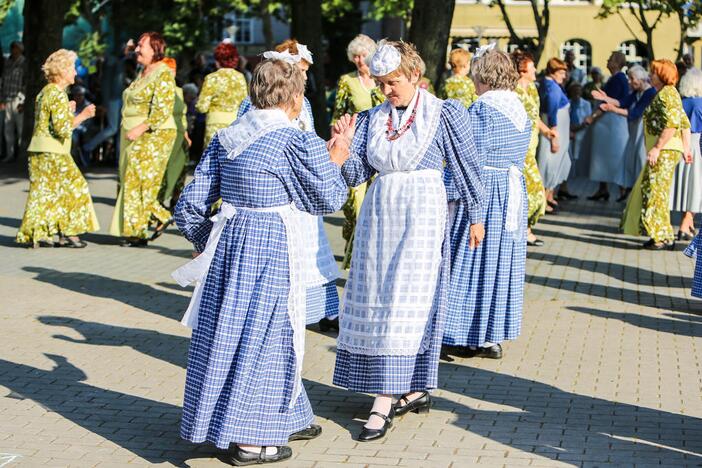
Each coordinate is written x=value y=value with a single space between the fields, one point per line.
x=356 y=169
x=61 y=115
x=244 y=107
x=312 y=180
x=550 y=104
x=463 y=159
x=617 y=87
x=162 y=101
x=193 y=208
x=205 y=99
x=341 y=103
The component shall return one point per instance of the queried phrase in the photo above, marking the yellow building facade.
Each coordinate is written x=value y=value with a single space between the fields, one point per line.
x=573 y=25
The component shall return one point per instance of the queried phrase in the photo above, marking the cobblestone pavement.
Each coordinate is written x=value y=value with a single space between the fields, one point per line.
x=607 y=371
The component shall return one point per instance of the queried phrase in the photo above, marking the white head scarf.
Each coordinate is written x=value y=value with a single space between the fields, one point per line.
x=285 y=56
x=385 y=60
x=304 y=53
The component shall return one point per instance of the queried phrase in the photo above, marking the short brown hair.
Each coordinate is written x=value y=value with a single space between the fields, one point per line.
x=410 y=61
x=275 y=83
x=666 y=71
x=619 y=58
x=157 y=43
x=459 y=58
x=521 y=60
x=291 y=46
x=496 y=70
x=554 y=65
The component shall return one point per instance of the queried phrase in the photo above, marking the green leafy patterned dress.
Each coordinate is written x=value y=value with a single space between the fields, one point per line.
x=59 y=201
x=353 y=97
x=461 y=88
x=532 y=177
x=174 y=179
x=648 y=208
x=221 y=95
x=142 y=163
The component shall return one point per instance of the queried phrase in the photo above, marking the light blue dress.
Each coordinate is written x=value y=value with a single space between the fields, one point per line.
x=241 y=364
x=554 y=167
x=486 y=290
x=635 y=152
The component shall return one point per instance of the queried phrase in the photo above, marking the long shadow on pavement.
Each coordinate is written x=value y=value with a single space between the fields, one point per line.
x=147 y=428
x=678 y=325
x=141 y=296
x=566 y=426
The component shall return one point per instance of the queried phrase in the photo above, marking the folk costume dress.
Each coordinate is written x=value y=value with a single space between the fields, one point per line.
x=174 y=178
x=609 y=135
x=391 y=323
x=243 y=381
x=322 y=296
x=554 y=167
x=635 y=153
x=220 y=98
x=353 y=97
x=686 y=190
x=460 y=88
x=59 y=200
x=692 y=251
x=647 y=210
x=536 y=197
x=486 y=290
x=142 y=163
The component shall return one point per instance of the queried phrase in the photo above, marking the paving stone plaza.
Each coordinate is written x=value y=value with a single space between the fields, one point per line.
x=607 y=371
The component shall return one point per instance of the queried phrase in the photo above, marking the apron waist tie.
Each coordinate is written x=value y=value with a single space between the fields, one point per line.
x=515 y=197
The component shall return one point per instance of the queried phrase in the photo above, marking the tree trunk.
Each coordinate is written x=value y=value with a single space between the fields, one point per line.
x=43 y=34
x=429 y=32
x=306 y=28
x=267 y=20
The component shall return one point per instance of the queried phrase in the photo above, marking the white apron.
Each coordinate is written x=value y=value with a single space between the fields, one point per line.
x=397 y=250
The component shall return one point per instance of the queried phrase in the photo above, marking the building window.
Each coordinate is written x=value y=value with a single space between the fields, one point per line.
x=634 y=51
x=239 y=28
x=582 y=51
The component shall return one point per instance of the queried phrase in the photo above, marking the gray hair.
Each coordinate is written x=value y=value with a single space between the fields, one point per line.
x=361 y=45
x=276 y=83
x=496 y=70
x=691 y=83
x=638 y=72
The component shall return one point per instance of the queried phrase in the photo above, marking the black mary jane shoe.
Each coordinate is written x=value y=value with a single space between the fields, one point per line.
x=368 y=435
x=241 y=457
x=685 y=236
x=535 y=243
x=133 y=242
x=71 y=243
x=328 y=324
x=652 y=245
x=417 y=406
x=160 y=229
x=307 y=433
x=490 y=352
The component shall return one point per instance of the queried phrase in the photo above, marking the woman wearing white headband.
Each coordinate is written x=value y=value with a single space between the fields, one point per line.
x=394 y=302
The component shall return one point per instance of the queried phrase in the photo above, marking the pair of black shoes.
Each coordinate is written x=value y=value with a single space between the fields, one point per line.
x=241 y=457
x=653 y=245
x=329 y=324
x=403 y=406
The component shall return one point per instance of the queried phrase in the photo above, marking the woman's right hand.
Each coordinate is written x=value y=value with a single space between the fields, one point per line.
x=342 y=125
x=555 y=145
x=88 y=112
x=599 y=95
x=72 y=106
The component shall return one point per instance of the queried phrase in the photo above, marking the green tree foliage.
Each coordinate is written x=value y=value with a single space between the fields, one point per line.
x=392 y=9
x=542 y=19
x=5 y=6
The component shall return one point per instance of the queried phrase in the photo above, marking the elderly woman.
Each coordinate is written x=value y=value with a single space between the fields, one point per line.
x=356 y=92
x=459 y=86
x=686 y=191
x=394 y=305
x=59 y=202
x=609 y=132
x=487 y=283
x=632 y=107
x=243 y=383
x=529 y=96
x=146 y=140
x=667 y=133
x=223 y=91
x=553 y=159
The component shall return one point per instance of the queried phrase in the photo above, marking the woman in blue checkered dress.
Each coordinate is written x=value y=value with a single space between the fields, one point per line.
x=391 y=320
x=487 y=283
x=243 y=382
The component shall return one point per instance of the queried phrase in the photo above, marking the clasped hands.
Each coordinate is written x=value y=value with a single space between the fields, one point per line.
x=339 y=144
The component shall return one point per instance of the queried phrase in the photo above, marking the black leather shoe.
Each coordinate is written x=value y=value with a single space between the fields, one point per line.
x=604 y=196
x=563 y=195
x=308 y=433
x=241 y=457
x=418 y=405
x=493 y=352
x=329 y=324
x=685 y=236
x=133 y=242
x=160 y=229
x=367 y=435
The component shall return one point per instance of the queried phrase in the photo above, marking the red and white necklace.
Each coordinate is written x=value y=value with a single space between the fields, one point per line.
x=392 y=134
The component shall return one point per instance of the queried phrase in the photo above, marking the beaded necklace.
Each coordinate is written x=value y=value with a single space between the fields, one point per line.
x=391 y=134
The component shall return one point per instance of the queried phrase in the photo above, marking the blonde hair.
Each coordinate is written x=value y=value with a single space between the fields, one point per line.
x=276 y=83
x=459 y=58
x=410 y=61
x=691 y=83
x=58 y=63
x=360 y=45
x=496 y=70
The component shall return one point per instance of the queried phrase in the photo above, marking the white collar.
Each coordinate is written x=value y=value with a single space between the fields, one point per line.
x=250 y=127
x=508 y=104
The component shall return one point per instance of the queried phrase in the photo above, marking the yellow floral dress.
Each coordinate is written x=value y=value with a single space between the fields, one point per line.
x=647 y=210
x=221 y=95
x=461 y=88
x=532 y=177
x=142 y=163
x=59 y=200
x=353 y=97
x=174 y=179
